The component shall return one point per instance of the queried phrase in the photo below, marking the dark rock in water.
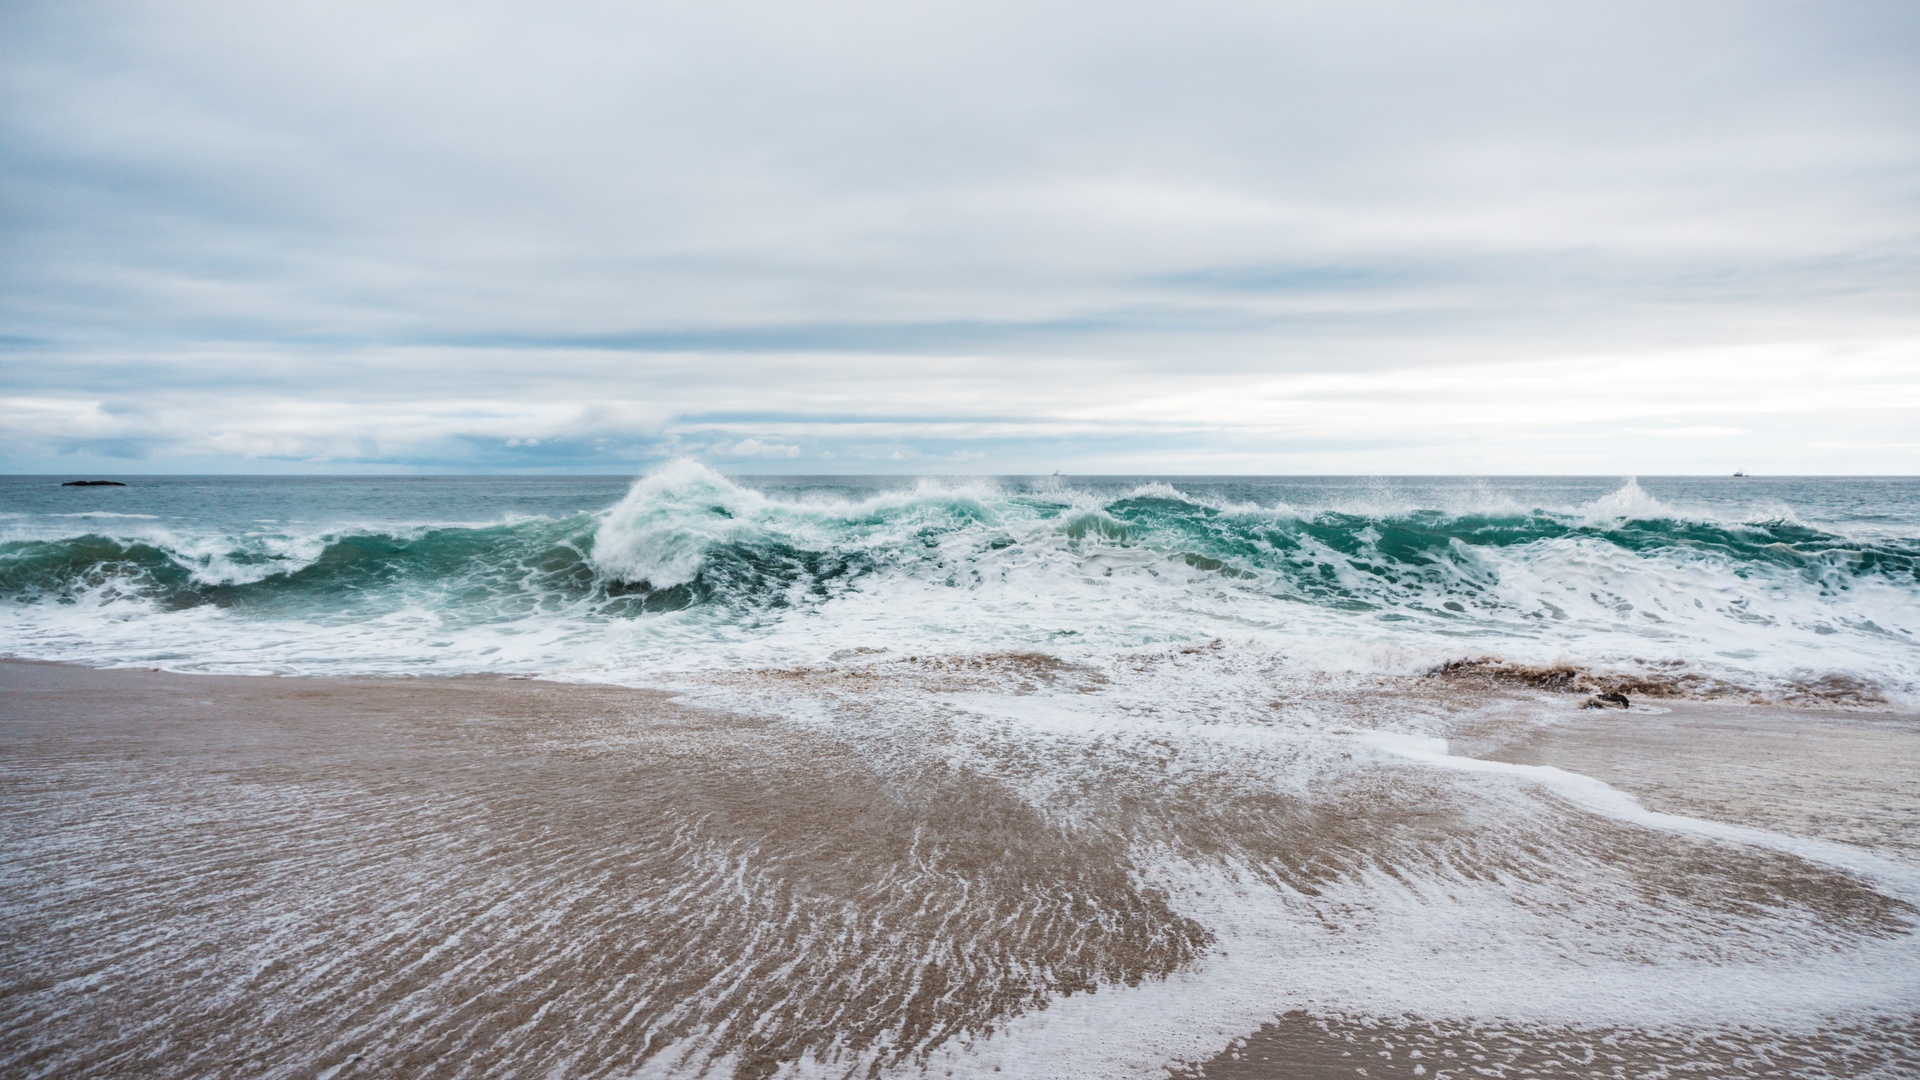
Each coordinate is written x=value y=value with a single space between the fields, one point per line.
x=93 y=483
x=1607 y=701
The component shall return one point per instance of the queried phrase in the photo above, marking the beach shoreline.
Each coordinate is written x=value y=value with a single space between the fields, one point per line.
x=258 y=875
x=251 y=875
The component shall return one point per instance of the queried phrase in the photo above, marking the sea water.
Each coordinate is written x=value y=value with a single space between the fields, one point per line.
x=1761 y=583
x=1230 y=710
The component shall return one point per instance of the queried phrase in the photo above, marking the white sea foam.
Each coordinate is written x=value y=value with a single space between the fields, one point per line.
x=966 y=566
x=1627 y=501
x=1562 y=937
x=1228 y=654
x=107 y=514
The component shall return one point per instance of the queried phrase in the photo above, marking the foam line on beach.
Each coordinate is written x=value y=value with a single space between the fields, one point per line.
x=1588 y=793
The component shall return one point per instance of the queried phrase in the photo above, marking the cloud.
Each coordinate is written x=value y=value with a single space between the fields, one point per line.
x=1696 y=431
x=437 y=235
x=754 y=448
x=181 y=429
x=1780 y=408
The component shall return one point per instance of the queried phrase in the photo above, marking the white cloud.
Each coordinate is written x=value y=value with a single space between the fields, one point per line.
x=1123 y=234
x=754 y=448
x=1697 y=431
x=179 y=427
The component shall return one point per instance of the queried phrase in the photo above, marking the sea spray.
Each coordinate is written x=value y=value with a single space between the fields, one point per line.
x=689 y=568
x=1042 y=779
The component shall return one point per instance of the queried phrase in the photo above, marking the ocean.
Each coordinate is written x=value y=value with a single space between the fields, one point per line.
x=1018 y=776
x=1777 y=586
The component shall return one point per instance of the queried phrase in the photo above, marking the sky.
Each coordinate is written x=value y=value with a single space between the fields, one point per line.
x=960 y=237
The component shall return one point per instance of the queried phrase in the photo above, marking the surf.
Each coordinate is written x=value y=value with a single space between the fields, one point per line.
x=687 y=556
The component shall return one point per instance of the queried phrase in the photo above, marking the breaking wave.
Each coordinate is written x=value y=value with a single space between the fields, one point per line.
x=1236 y=765
x=690 y=556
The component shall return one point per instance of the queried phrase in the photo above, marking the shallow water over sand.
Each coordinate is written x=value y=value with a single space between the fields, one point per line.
x=1035 y=776
x=949 y=865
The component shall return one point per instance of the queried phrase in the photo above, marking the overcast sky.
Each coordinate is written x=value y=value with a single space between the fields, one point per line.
x=960 y=237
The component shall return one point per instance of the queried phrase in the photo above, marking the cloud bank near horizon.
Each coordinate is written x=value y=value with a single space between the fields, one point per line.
x=1127 y=237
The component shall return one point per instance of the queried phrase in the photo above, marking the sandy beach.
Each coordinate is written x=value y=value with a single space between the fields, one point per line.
x=959 y=541
x=257 y=876
x=291 y=877
x=1847 y=776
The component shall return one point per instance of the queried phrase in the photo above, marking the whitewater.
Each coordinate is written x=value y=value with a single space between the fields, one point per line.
x=1764 y=587
x=1053 y=776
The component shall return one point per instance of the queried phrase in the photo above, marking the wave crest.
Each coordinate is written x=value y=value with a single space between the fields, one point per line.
x=659 y=534
x=972 y=566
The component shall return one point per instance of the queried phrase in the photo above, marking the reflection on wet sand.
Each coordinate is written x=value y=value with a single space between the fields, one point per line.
x=232 y=875
x=258 y=876
x=1302 y=1047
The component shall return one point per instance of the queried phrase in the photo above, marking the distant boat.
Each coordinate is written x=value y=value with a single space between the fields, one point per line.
x=93 y=483
x=1739 y=472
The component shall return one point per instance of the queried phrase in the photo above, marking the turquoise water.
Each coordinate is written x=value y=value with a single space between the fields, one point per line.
x=1751 y=579
x=1225 y=731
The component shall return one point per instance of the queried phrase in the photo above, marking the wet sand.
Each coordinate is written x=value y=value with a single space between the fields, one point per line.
x=234 y=876
x=1302 y=1047
x=1848 y=776
x=444 y=877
